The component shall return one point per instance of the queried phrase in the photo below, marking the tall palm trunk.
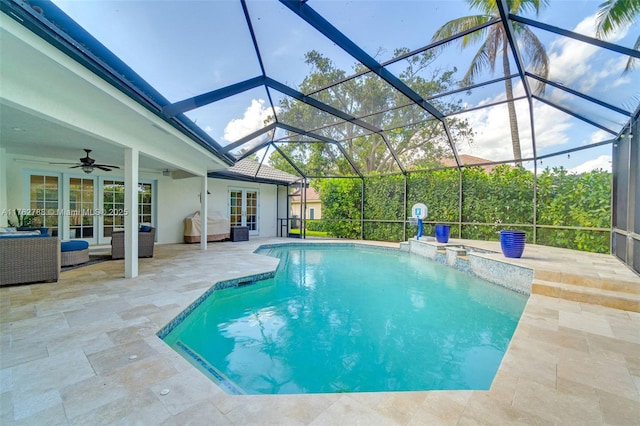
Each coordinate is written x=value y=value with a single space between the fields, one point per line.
x=513 y=119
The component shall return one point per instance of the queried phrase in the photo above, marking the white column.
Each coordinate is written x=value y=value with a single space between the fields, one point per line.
x=131 y=157
x=4 y=209
x=64 y=233
x=203 y=211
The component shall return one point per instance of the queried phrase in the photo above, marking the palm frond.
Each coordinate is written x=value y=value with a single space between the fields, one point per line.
x=615 y=14
x=458 y=25
x=519 y=6
x=480 y=61
x=494 y=43
x=536 y=55
x=515 y=6
x=486 y=6
x=632 y=62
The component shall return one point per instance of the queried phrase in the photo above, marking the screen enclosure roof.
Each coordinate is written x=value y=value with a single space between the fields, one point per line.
x=357 y=88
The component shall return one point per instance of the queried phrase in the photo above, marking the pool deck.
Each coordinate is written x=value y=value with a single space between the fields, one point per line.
x=84 y=351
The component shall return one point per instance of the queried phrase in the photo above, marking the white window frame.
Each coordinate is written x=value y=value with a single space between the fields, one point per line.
x=244 y=191
x=98 y=194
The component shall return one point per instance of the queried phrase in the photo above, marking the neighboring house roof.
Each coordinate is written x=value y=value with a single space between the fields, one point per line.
x=252 y=171
x=311 y=194
x=468 y=160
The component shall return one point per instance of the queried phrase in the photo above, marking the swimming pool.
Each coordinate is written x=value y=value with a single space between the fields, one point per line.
x=351 y=318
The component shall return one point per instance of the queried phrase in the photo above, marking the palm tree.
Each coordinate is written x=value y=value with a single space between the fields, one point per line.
x=616 y=14
x=494 y=43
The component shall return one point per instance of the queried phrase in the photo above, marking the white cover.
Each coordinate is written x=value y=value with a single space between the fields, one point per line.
x=217 y=225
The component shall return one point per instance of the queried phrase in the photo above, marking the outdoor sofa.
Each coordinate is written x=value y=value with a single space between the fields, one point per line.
x=29 y=258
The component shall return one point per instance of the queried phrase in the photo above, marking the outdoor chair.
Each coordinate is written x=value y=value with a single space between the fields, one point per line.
x=146 y=239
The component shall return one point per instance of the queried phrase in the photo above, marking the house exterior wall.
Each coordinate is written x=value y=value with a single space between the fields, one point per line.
x=175 y=199
x=315 y=204
x=267 y=202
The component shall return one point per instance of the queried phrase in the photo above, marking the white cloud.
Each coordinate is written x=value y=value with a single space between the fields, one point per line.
x=253 y=119
x=602 y=162
x=600 y=136
x=492 y=140
x=571 y=61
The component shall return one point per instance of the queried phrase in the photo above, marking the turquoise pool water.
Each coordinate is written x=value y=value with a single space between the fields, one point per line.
x=345 y=318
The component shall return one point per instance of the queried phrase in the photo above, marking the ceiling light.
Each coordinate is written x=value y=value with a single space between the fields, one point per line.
x=87 y=169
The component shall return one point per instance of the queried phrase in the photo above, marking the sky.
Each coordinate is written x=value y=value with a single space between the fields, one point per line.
x=185 y=48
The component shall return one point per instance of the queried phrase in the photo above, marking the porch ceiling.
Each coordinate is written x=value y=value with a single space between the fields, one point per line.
x=27 y=134
x=51 y=108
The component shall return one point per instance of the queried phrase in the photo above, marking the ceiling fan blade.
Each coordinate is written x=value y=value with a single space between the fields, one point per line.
x=86 y=162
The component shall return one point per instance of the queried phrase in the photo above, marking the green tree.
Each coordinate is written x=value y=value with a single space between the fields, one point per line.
x=580 y=200
x=614 y=15
x=418 y=139
x=341 y=202
x=494 y=44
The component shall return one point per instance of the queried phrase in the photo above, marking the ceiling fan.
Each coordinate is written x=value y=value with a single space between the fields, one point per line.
x=88 y=164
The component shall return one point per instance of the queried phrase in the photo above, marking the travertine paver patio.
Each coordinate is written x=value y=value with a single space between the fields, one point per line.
x=84 y=351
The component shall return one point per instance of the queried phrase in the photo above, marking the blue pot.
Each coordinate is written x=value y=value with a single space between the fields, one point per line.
x=442 y=233
x=512 y=242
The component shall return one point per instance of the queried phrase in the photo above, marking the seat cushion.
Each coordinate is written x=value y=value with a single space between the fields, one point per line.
x=73 y=245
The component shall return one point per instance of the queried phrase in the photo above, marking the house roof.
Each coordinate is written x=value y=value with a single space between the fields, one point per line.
x=469 y=160
x=310 y=193
x=252 y=171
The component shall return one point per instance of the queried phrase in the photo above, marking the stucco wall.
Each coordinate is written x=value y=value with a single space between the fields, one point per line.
x=267 y=207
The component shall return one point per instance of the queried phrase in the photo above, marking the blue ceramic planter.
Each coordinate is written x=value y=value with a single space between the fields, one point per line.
x=442 y=233
x=512 y=242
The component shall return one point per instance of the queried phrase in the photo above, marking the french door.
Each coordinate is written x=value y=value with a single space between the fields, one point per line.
x=243 y=209
x=81 y=217
x=84 y=207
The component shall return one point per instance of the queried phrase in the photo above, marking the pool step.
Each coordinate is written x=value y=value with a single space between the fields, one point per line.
x=618 y=299
x=459 y=251
x=603 y=283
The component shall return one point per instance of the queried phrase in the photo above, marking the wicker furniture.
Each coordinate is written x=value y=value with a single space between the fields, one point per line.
x=74 y=252
x=239 y=233
x=145 y=244
x=29 y=259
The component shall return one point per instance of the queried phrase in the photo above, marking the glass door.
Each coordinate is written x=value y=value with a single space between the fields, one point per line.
x=44 y=200
x=113 y=202
x=82 y=209
x=113 y=211
x=243 y=209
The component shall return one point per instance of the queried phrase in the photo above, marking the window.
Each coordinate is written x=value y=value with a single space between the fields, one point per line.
x=44 y=201
x=113 y=202
x=113 y=205
x=312 y=213
x=144 y=203
x=243 y=209
x=81 y=207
